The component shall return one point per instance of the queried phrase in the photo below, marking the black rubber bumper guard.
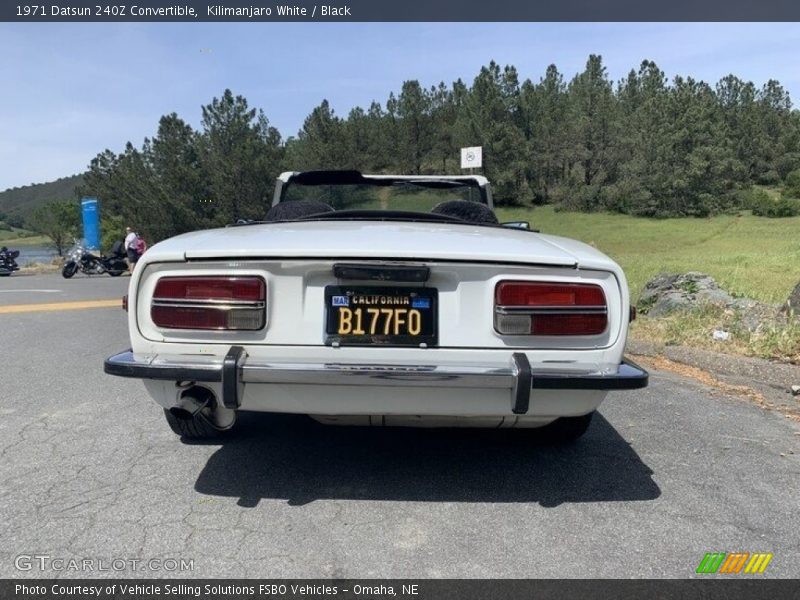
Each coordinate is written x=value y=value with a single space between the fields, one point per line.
x=629 y=376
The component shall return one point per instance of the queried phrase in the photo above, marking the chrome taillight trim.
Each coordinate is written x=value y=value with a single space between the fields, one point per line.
x=210 y=303
x=255 y=311
x=551 y=310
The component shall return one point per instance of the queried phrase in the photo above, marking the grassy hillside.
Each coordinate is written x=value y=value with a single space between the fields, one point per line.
x=22 y=201
x=749 y=256
x=13 y=234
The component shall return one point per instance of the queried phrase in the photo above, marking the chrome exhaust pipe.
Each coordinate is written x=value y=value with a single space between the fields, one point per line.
x=191 y=402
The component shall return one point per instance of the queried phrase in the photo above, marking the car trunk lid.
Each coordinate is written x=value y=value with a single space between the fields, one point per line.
x=372 y=239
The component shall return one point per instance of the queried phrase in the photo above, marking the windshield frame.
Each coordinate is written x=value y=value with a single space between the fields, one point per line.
x=319 y=178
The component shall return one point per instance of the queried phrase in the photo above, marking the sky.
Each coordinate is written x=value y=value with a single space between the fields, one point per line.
x=69 y=91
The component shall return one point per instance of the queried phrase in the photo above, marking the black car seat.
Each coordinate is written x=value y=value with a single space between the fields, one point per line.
x=296 y=209
x=471 y=212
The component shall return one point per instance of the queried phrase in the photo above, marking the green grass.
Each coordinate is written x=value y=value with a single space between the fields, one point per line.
x=749 y=256
x=773 y=340
x=416 y=202
x=21 y=237
x=753 y=257
x=31 y=240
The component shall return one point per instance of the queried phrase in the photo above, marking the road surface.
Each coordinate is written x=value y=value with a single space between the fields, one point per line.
x=90 y=469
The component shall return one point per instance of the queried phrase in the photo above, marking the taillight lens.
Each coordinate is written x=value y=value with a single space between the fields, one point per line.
x=538 y=294
x=222 y=303
x=541 y=308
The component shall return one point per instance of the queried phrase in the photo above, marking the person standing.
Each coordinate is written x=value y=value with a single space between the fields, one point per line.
x=131 y=247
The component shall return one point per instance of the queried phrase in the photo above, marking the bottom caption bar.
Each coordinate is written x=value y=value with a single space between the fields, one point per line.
x=379 y=589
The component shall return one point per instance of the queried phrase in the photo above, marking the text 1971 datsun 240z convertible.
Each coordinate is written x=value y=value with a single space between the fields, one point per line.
x=379 y=300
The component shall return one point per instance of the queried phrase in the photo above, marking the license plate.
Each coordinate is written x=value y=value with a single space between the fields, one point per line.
x=380 y=315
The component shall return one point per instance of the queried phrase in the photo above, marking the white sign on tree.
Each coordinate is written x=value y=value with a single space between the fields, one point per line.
x=472 y=157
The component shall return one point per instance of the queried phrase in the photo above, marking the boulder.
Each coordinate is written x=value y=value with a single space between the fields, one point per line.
x=793 y=302
x=668 y=292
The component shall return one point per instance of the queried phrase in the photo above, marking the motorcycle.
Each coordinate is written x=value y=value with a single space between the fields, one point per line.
x=80 y=258
x=8 y=264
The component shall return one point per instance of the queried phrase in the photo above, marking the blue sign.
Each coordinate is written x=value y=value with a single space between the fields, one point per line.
x=90 y=210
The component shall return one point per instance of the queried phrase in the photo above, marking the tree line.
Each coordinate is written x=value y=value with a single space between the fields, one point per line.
x=644 y=145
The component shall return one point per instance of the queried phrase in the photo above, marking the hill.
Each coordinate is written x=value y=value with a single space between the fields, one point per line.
x=18 y=203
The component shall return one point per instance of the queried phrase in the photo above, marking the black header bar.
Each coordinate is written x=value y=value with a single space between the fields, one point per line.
x=34 y=11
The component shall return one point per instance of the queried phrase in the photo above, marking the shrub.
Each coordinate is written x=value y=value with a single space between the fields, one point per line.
x=16 y=221
x=753 y=198
x=787 y=163
x=112 y=228
x=627 y=196
x=763 y=205
x=769 y=178
x=792 y=189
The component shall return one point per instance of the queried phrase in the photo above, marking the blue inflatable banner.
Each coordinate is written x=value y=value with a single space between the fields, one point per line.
x=91 y=222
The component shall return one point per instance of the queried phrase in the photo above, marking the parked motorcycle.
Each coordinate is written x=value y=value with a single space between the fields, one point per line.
x=80 y=258
x=8 y=264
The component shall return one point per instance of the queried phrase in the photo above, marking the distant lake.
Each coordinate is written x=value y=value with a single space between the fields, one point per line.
x=31 y=254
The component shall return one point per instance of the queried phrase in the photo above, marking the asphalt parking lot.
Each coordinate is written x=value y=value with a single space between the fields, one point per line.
x=89 y=469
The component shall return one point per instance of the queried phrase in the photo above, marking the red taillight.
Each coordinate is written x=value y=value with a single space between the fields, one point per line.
x=540 y=308
x=524 y=293
x=125 y=303
x=227 y=303
x=568 y=324
x=211 y=288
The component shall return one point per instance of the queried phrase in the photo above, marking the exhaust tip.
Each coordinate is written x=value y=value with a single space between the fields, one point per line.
x=181 y=413
x=191 y=402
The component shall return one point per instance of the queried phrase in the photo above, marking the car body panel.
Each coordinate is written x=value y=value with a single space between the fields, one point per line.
x=464 y=261
x=388 y=240
x=296 y=307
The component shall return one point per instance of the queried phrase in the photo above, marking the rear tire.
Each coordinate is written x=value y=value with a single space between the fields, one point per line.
x=115 y=273
x=199 y=427
x=563 y=430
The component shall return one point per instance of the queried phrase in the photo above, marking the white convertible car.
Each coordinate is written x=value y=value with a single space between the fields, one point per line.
x=379 y=300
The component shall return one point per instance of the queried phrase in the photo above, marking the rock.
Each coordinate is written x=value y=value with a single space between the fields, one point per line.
x=793 y=302
x=668 y=292
x=754 y=315
x=720 y=335
x=796 y=390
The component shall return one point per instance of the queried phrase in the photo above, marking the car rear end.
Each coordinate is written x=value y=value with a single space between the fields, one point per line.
x=376 y=332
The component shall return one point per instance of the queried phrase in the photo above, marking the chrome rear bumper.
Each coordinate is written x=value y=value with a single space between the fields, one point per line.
x=235 y=369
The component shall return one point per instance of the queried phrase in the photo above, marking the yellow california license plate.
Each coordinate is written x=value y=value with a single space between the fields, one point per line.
x=380 y=315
